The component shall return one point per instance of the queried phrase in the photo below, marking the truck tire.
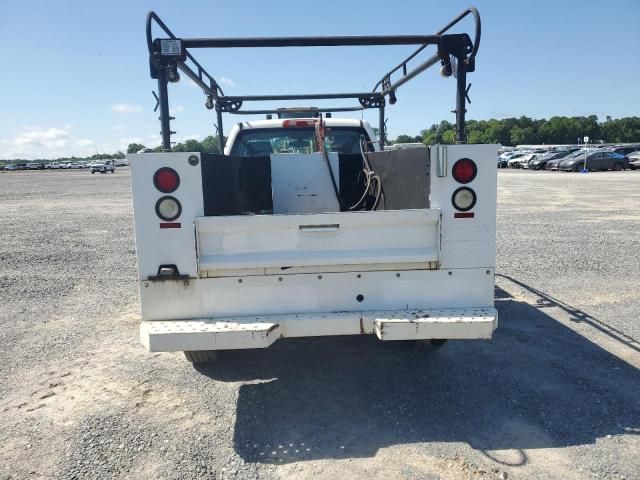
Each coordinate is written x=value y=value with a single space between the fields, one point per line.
x=201 y=356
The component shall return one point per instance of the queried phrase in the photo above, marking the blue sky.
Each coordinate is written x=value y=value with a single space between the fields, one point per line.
x=76 y=77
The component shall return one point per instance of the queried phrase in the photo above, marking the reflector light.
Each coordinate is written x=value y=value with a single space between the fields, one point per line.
x=463 y=199
x=166 y=180
x=168 y=208
x=464 y=170
x=298 y=123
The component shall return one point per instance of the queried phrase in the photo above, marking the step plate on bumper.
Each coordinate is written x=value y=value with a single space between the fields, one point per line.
x=261 y=332
x=444 y=324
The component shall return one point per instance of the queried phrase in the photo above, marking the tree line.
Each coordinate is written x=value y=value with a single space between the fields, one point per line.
x=210 y=144
x=507 y=131
x=529 y=131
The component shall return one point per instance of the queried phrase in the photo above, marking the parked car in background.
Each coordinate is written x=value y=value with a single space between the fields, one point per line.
x=630 y=150
x=505 y=158
x=123 y=162
x=533 y=158
x=540 y=163
x=53 y=165
x=555 y=164
x=74 y=165
x=624 y=150
x=11 y=167
x=510 y=154
x=601 y=159
x=609 y=159
x=634 y=160
x=103 y=166
x=35 y=166
x=518 y=161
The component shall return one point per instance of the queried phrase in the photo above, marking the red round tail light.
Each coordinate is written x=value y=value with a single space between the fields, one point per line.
x=166 y=180
x=464 y=170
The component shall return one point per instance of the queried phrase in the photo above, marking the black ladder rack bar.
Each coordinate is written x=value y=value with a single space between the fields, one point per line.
x=342 y=41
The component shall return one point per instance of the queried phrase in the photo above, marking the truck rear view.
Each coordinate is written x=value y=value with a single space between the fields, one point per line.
x=306 y=226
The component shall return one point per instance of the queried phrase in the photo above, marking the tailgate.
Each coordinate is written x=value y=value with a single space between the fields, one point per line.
x=352 y=240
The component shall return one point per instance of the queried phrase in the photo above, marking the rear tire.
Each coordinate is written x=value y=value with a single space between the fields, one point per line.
x=201 y=356
x=618 y=167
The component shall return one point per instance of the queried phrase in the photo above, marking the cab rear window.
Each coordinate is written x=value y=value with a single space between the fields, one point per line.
x=265 y=141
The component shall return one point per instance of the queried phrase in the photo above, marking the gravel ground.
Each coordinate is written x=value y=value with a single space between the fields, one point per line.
x=556 y=394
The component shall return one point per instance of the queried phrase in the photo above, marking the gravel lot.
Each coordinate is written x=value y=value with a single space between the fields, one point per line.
x=555 y=395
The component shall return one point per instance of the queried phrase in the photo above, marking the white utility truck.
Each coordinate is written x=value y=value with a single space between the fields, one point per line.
x=305 y=225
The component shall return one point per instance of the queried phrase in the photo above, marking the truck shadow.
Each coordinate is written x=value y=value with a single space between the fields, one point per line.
x=538 y=384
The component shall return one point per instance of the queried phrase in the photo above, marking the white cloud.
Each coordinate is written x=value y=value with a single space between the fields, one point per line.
x=226 y=81
x=125 y=108
x=117 y=128
x=40 y=137
x=40 y=142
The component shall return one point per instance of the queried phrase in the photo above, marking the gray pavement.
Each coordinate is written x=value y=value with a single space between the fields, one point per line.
x=556 y=394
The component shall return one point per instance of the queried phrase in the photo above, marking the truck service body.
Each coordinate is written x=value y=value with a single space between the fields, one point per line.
x=307 y=227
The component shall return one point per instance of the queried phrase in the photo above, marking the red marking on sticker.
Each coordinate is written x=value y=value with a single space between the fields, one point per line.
x=170 y=225
x=464 y=215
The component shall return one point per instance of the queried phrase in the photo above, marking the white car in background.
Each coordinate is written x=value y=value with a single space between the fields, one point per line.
x=517 y=162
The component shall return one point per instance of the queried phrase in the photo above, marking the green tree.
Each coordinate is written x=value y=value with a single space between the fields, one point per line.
x=192 y=145
x=449 y=136
x=408 y=139
x=135 y=147
x=210 y=144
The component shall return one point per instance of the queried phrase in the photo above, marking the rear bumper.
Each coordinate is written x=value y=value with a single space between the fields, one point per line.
x=261 y=332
